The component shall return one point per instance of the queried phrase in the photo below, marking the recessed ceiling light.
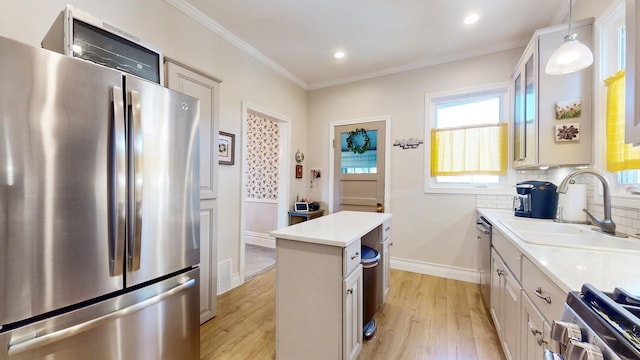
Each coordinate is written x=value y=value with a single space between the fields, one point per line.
x=471 y=19
x=339 y=54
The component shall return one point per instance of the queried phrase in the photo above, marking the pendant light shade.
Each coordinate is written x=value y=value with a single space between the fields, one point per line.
x=571 y=56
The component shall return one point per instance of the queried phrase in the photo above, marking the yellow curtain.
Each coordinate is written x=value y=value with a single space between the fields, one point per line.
x=620 y=156
x=473 y=150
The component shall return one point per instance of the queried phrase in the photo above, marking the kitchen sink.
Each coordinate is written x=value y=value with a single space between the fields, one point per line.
x=550 y=233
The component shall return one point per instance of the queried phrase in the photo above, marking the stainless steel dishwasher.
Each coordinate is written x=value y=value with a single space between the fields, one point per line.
x=483 y=229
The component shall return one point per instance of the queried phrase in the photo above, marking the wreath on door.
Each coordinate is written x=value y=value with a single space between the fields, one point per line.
x=351 y=144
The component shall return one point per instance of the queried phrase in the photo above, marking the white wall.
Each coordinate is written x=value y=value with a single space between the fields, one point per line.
x=430 y=229
x=427 y=228
x=432 y=232
x=178 y=36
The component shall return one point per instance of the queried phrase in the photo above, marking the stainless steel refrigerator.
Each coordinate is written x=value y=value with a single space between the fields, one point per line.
x=99 y=212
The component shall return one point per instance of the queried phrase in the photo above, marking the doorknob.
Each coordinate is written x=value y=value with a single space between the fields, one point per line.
x=379 y=207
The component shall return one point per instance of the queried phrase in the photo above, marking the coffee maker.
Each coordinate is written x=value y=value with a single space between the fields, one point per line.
x=536 y=199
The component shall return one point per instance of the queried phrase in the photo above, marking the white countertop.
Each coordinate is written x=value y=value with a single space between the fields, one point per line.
x=569 y=268
x=337 y=229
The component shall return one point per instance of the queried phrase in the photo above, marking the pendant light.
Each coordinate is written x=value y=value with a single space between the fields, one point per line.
x=571 y=56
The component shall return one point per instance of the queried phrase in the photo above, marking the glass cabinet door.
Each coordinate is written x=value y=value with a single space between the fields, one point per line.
x=518 y=128
x=530 y=113
x=524 y=105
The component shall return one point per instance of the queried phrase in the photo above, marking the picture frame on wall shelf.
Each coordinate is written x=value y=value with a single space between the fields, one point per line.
x=226 y=148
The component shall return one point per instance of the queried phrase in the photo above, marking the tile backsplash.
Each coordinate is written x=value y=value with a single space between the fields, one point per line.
x=625 y=212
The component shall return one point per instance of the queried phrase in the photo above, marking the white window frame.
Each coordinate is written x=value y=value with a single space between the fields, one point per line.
x=431 y=100
x=606 y=28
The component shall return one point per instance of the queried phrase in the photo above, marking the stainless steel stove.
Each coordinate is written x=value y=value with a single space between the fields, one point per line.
x=598 y=325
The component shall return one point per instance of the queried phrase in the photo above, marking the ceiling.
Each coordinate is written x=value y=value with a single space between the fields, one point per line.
x=297 y=38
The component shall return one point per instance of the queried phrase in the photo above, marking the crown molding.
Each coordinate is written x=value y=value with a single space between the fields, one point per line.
x=210 y=24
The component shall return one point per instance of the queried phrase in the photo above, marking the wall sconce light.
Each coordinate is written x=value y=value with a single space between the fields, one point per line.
x=410 y=143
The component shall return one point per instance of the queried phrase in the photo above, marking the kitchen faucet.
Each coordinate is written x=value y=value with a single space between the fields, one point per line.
x=606 y=224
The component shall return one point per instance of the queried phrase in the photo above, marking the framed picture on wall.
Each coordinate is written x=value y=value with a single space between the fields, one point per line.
x=298 y=171
x=226 y=148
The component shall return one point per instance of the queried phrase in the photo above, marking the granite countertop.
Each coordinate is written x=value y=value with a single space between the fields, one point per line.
x=337 y=229
x=569 y=268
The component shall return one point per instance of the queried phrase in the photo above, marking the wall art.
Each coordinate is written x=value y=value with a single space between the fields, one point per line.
x=569 y=109
x=568 y=132
x=226 y=148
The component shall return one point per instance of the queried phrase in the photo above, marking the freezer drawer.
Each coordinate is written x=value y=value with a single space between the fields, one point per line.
x=160 y=321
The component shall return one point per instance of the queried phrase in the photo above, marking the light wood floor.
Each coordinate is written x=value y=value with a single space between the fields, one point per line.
x=425 y=317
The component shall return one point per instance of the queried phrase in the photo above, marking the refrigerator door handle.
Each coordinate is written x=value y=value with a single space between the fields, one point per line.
x=118 y=172
x=59 y=335
x=135 y=241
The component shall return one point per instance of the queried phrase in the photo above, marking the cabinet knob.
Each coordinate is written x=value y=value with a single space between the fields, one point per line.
x=540 y=340
x=533 y=329
x=350 y=291
x=500 y=272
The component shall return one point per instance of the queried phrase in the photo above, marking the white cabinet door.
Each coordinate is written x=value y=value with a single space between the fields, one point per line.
x=525 y=124
x=534 y=331
x=497 y=270
x=208 y=260
x=511 y=294
x=352 y=314
x=505 y=305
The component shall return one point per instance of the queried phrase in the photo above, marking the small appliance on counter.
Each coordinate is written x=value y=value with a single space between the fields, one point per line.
x=536 y=199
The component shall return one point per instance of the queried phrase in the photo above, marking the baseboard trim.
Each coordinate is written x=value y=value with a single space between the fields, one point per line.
x=449 y=272
x=235 y=280
x=260 y=239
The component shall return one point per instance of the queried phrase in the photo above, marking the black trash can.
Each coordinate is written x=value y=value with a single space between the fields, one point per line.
x=370 y=259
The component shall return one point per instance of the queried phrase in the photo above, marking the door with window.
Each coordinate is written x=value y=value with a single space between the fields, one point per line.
x=359 y=161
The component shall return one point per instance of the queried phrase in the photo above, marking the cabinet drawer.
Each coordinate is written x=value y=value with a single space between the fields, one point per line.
x=508 y=252
x=351 y=258
x=386 y=230
x=544 y=294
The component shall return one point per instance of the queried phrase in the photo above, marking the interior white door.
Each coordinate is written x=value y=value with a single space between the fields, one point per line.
x=205 y=88
x=359 y=167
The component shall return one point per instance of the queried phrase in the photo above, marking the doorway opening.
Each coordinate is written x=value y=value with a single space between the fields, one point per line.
x=264 y=188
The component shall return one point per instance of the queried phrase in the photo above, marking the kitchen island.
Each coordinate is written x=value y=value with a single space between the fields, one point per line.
x=319 y=283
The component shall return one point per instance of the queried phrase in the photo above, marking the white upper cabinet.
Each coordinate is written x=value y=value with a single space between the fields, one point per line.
x=546 y=129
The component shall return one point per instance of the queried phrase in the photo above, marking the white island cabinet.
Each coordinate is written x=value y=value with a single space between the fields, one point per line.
x=319 y=284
